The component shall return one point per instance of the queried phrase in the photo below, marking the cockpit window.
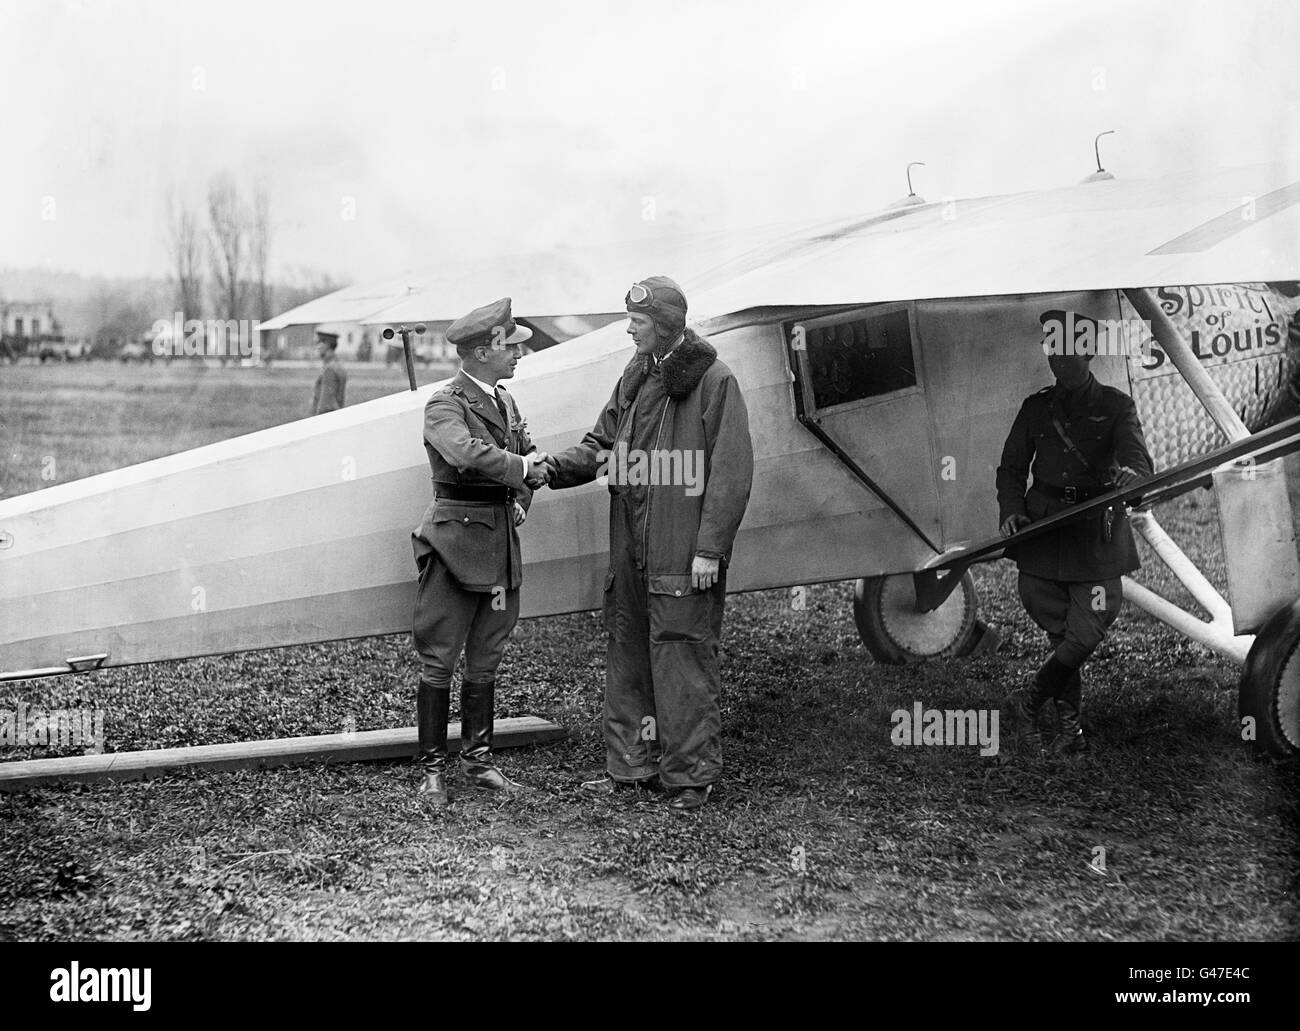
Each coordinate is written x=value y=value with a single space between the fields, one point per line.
x=855 y=356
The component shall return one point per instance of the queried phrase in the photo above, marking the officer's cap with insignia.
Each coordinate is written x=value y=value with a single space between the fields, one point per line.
x=328 y=339
x=1068 y=326
x=485 y=326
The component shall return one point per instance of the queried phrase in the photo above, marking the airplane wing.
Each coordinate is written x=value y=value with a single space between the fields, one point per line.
x=351 y=304
x=544 y=285
x=936 y=582
x=1228 y=226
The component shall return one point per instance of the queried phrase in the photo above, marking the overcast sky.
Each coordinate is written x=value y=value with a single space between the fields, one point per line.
x=389 y=134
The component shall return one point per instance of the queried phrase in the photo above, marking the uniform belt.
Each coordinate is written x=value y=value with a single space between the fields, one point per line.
x=1070 y=495
x=463 y=492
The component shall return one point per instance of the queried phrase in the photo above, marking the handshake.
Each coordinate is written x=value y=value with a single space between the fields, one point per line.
x=542 y=469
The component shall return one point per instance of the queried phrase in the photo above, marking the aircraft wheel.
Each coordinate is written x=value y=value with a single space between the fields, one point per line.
x=884 y=607
x=1270 y=685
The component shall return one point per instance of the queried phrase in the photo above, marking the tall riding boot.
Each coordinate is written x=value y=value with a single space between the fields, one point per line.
x=1025 y=704
x=432 y=705
x=476 y=712
x=1069 y=705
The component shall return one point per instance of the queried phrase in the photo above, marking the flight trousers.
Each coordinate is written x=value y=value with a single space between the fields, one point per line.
x=662 y=679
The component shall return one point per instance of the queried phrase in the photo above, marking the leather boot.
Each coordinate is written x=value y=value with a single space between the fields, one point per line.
x=1025 y=704
x=1022 y=709
x=476 y=714
x=1069 y=706
x=432 y=704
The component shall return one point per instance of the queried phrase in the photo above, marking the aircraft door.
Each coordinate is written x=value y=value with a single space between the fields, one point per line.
x=860 y=389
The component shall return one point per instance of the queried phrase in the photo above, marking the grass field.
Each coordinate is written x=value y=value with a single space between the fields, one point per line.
x=822 y=828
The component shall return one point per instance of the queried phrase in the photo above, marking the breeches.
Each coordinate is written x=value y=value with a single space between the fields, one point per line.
x=1075 y=616
x=449 y=619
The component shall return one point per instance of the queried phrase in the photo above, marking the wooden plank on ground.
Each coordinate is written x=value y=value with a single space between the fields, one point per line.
x=359 y=746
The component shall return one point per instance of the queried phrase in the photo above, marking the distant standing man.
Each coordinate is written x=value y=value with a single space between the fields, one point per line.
x=670 y=542
x=1083 y=439
x=467 y=554
x=333 y=379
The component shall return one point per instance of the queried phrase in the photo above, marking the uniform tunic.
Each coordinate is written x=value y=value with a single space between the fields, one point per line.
x=467 y=552
x=1070 y=578
x=330 y=387
x=1103 y=424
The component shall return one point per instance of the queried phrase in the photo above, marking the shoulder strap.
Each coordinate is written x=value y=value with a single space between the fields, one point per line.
x=1054 y=413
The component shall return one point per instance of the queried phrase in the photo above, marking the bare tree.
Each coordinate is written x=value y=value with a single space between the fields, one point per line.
x=260 y=246
x=185 y=251
x=227 y=237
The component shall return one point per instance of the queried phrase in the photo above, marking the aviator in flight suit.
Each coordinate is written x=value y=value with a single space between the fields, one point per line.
x=662 y=668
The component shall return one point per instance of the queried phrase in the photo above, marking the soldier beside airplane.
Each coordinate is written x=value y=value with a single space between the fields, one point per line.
x=467 y=555
x=1081 y=439
x=332 y=382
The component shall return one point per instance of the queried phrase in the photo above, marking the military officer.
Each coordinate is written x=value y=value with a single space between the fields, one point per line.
x=1082 y=439
x=333 y=379
x=467 y=554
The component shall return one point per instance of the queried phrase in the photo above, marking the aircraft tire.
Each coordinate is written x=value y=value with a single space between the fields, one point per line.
x=1270 y=685
x=884 y=608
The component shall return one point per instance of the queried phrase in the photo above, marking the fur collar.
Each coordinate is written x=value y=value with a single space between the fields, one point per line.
x=683 y=369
